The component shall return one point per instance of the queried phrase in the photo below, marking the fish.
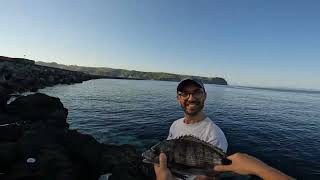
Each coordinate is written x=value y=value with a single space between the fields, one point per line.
x=187 y=155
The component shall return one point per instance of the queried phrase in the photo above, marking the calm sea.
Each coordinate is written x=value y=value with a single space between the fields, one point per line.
x=281 y=128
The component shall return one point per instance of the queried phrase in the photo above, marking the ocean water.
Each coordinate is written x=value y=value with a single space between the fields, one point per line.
x=281 y=128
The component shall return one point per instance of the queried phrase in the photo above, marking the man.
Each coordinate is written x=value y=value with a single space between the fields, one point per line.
x=191 y=96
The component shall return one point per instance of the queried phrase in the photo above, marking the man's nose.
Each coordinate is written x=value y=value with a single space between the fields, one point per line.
x=190 y=96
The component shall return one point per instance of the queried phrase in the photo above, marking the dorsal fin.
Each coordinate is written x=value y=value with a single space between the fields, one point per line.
x=197 y=140
x=191 y=138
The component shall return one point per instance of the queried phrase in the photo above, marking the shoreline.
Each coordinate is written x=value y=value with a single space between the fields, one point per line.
x=35 y=139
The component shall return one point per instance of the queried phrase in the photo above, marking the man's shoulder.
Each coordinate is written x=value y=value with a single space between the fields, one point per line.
x=174 y=128
x=213 y=129
x=216 y=136
x=178 y=121
x=211 y=123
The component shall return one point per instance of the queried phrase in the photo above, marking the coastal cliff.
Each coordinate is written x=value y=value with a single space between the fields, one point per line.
x=35 y=139
x=20 y=75
x=132 y=74
x=36 y=143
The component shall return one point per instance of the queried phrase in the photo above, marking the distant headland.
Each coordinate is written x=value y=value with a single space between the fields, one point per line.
x=132 y=74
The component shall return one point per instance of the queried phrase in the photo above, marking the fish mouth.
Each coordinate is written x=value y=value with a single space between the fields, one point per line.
x=147 y=161
x=152 y=155
x=148 y=157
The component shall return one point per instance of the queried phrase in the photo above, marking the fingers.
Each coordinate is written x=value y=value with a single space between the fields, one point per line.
x=233 y=156
x=226 y=161
x=226 y=165
x=163 y=160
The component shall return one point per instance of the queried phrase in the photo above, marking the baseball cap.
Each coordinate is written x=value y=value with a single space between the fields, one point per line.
x=183 y=82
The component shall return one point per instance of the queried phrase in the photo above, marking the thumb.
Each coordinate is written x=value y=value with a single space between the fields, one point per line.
x=221 y=168
x=163 y=160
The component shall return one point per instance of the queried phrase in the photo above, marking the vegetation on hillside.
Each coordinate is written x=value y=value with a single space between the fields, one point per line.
x=132 y=74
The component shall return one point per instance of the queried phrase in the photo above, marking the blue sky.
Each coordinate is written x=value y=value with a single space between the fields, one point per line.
x=247 y=42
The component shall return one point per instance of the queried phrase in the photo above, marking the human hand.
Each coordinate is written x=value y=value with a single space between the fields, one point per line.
x=245 y=164
x=161 y=170
x=242 y=164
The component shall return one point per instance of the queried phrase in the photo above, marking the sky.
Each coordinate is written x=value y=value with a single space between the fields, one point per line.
x=268 y=43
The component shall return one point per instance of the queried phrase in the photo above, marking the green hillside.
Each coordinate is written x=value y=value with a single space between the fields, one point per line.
x=122 y=73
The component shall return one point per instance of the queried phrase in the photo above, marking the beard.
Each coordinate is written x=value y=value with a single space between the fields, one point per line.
x=198 y=106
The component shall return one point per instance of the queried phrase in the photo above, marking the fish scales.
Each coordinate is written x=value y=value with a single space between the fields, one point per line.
x=189 y=152
x=194 y=152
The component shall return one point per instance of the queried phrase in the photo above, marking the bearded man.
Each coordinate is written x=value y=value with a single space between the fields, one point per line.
x=191 y=95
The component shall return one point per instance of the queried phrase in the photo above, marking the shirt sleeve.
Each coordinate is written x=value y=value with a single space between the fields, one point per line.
x=171 y=131
x=218 y=139
x=219 y=143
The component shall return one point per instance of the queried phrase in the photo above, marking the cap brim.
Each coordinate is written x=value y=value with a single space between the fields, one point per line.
x=183 y=82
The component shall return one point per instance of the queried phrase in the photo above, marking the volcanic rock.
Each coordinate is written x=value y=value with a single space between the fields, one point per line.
x=35 y=143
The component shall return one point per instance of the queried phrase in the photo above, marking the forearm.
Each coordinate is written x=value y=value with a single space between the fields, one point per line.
x=269 y=173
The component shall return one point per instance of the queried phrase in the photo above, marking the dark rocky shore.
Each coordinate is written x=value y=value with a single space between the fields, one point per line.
x=36 y=143
x=35 y=139
x=20 y=75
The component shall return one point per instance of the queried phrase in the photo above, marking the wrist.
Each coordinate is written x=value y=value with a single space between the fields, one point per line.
x=262 y=170
x=269 y=173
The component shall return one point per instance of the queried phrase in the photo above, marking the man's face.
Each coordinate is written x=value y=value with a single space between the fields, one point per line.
x=191 y=98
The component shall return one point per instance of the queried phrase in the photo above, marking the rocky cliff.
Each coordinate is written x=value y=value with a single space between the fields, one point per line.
x=35 y=139
x=36 y=143
x=20 y=75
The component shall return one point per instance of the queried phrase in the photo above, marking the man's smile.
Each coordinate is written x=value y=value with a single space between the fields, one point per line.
x=192 y=103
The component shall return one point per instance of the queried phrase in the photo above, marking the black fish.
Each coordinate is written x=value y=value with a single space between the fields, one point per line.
x=187 y=155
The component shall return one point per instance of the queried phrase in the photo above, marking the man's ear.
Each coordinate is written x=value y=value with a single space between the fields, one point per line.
x=205 y=95
x=178 y=99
